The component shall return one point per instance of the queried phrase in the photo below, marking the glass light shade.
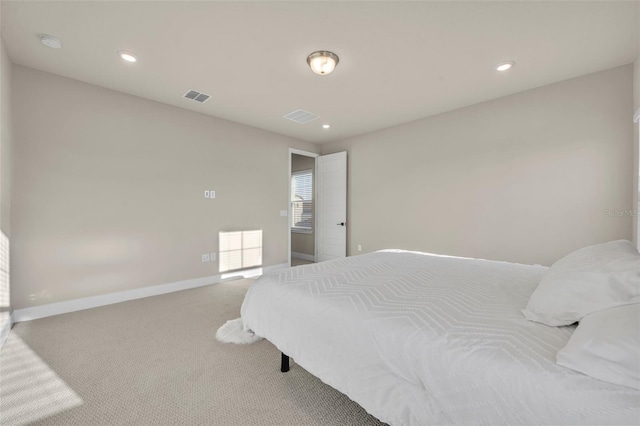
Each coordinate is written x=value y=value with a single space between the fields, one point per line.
x=322 y=62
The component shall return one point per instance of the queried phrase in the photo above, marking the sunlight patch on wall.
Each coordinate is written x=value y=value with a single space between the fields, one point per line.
x=240 y=250
x=29 y=389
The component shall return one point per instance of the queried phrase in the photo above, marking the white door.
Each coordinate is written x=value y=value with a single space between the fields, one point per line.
x=331 y=236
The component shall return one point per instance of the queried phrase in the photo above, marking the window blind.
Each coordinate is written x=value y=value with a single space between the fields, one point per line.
x=302 y=200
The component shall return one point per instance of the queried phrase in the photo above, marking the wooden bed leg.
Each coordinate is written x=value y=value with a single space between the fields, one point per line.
x=284 y=363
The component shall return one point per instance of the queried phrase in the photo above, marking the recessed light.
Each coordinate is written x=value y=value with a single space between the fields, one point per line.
x=504 y=66
x=127 y=56
x=50 y=41
x=326 y=126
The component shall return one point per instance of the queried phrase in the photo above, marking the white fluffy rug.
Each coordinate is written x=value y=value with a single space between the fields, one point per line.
x=233 y=332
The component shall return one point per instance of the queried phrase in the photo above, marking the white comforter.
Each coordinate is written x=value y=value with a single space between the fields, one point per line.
x=420 y=339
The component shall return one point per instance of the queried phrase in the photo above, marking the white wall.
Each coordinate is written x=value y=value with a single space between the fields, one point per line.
x=108 y=190
x=636 y=149
x=6 y=143
x=636 y=153
x=525 y=178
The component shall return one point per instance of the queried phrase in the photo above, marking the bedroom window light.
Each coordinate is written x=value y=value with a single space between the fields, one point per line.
x=239 y=250
x=302 y=201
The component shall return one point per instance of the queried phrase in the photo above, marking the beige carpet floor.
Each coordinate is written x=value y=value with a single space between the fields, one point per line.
x=155 y=361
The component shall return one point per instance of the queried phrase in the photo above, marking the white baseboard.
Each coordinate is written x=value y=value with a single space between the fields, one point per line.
x=251 y=273
x=6 y=329
x=303 y=256
x=36 y=312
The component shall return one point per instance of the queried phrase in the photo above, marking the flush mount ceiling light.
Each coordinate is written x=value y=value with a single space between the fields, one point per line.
x=322 y=62
x=504 y=66
x=50 y=41
x=326 y=126
x=127 y=56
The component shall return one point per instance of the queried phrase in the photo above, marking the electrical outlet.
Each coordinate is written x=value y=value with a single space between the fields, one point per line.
x=359 y=247
x=213 y=257
x=205 y=257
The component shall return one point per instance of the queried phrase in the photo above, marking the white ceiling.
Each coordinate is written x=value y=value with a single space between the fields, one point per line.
x=399 y=61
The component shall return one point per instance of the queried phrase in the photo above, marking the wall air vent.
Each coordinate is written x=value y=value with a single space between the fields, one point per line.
x=301 y=116
x=196 y=96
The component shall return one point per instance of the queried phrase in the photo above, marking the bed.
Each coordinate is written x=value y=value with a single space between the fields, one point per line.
x=422 y=339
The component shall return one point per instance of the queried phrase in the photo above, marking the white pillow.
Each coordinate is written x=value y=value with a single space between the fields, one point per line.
x=587 y=280
x=606 y=345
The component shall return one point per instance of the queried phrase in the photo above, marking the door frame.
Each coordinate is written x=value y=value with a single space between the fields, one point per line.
x=315 y=201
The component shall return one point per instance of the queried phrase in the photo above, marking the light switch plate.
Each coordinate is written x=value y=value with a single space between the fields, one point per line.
x=284 y=213
x=206 y=194
x=205 y=257
x=212 y=194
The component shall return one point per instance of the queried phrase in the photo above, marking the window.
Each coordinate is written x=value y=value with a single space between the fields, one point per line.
x=302 y=201
x=240 y=250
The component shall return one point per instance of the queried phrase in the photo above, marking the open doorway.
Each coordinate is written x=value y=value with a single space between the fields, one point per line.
x=302 y=207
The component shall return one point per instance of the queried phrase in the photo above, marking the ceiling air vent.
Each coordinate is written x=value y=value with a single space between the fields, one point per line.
x=301 y=116
x=196 y=96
